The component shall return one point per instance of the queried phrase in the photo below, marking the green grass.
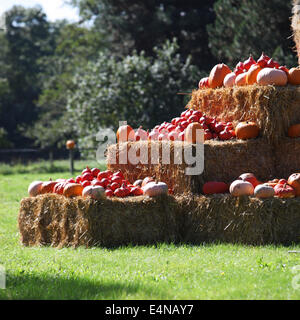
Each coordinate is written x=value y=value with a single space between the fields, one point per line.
x=220 y=271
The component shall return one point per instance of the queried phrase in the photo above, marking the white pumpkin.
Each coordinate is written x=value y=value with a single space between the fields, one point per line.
x=270 y=76
x=241 y=188
x=35 y=188
x=153 y=189
x=229 y=80
x=94 y=192
x=264 y=191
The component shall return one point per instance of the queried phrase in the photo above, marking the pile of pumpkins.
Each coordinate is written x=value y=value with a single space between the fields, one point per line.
x=264 y=71
x=98 y=184
x=248 y=185
x=188 y=127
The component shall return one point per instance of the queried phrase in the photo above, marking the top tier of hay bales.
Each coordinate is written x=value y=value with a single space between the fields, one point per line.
x=273 y=108
x=296 y=25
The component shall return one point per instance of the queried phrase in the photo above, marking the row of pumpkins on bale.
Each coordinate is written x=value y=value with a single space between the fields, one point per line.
x=264 y=71
x=187 y=128
x=97 y=184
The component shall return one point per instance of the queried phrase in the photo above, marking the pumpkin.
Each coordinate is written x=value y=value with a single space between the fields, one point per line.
x=246 y=130
x=141 y=134
x=203 y=83
x=35 y=188
x=213 y=187
x=70 y=144
x=194 y=133
x=217 y=75
x=59 y=188
x=240 y=79
x=73 y=190
x=294 y=76
x=284 y=191
x=94 y=192
x=270 y=76
x=48 y=186
x=249 y=177
x=241 y=188
x=229 y=80
x=252 y=74
x=147 y=180
x=294 y=131
x=264 y=191
x=272 y=183
x=153 y=189
x=125 y=133
x=294 y=181
x=138 y=183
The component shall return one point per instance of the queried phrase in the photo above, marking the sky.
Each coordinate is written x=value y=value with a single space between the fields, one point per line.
x=55 y=9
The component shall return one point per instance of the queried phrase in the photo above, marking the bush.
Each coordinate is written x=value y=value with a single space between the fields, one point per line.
x=138 y=89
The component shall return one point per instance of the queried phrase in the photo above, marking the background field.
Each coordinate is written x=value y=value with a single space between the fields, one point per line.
x=218 y=271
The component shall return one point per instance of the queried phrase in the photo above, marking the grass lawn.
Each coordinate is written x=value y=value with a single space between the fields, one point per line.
x=219 y=271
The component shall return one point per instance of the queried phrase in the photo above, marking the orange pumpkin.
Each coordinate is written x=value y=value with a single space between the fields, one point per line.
x=294 y=181
x=240 y=79
x=294 y=76
x=294 y=131
x=70 y=144
x=271 y=76
x=217 y=75
x=48 y=187
x=229 y=80
x=252 y=74
x=284 y=191
x=194 y=133
x=125 y=133
x=73 y=190
x=247 y=130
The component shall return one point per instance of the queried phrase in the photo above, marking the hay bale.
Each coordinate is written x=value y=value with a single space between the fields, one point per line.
x=296 y=25
x=273 y=108
x=287 y=157
x=223 y=161
x=223 y=218
x=58 y=221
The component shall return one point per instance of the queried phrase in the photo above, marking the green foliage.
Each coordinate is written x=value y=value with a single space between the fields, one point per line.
x=139 y=89
x=142 y=25
x=243 y=27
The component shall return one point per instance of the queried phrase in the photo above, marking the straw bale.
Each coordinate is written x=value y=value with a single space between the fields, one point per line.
x=58 y=221
x=273 y=108
x=223 y=161
x=296 y=25
x=247 y=220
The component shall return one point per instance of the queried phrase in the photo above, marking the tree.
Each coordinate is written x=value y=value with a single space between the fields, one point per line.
x=142 y=25
x=139 y=89
x=243 y=27
x=26 y=39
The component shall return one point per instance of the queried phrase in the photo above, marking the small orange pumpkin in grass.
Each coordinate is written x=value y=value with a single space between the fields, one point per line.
x=240 y=79
x=217 y=75
x=294 y=76
x=252 y=74
x=294 y=131
x=294 y=181
x=247 y=130
x=73 y=190
x=194 y=133
x=125 y=133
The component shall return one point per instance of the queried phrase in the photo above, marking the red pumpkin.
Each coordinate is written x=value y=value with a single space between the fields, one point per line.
x=249 y=177
x=284 y=191
x=213 y=187
x=125 y=133
x=48 y=187
x=217 y=75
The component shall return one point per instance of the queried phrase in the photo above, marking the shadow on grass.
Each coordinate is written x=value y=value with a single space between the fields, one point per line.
x=47 y=287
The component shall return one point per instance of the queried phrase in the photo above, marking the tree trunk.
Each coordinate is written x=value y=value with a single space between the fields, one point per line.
x=296 y=25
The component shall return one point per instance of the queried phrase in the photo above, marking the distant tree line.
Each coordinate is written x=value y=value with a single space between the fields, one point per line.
x=124 y=60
